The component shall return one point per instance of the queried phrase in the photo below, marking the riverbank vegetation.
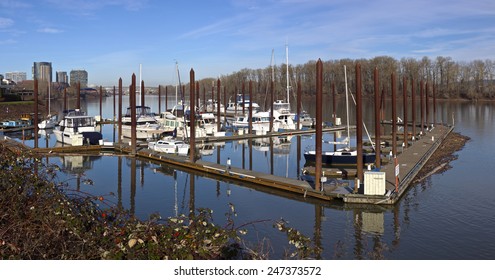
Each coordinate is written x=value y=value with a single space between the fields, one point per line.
x=41 y=218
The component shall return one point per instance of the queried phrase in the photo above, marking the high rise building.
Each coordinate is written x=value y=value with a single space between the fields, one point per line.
x=61 y=77
x=42 y=71
x=79 y=76
x=16 y=76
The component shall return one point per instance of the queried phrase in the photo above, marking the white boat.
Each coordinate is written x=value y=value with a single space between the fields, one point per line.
x=48 y=123
x=169 y=145
x=260 y=123
x=77 y=129
x=211 y=107
x=180 y=128
x=208 y=121
x=234 y=109
x=147 y=126
x=306 y=120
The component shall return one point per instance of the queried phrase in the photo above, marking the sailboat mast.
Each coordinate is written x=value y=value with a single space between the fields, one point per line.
x=347 y=109
x=287 y=64
x=177 y=81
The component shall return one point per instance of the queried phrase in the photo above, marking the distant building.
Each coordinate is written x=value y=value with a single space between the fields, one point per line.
x=42 y=71
x=79 y=76
x=62 y=77
x=16 y=76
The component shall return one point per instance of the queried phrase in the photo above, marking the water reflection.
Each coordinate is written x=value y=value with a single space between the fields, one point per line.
x=420 y=226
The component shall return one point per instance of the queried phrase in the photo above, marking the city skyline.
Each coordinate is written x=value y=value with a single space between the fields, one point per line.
x=110 y=39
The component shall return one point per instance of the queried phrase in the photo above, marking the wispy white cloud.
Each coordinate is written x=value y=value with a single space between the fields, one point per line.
x=14 y=4
x=91 y=6
x=5 y=22
x=50 y=30
x=7 y=42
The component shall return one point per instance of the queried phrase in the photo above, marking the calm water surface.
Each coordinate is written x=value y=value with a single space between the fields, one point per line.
x=448 y=216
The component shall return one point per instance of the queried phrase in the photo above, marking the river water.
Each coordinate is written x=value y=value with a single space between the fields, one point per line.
x=447 y=216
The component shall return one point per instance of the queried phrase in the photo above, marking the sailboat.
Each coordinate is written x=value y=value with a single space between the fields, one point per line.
x=50 y=121
x=281 y=109
x=344 y=156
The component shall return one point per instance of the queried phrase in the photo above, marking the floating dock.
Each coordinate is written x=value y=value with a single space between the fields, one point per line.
x=410 y=162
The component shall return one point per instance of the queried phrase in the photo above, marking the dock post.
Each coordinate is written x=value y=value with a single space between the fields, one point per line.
x=413 y=108
x=394 y=128
x=250 y=107
x=218 y=104
x=378 y=162
x=65 y=99
x=434 y=105
x=224 y=105
x=421 y=101
x=166 y=98
x=334 y=102
x=204 y=99
x=114 y=104
x=243 y=97
x=36 y=113
x=78 y=97
x=298 y=105
x=142 y=96
x=119 y=115
x=427 y=106
x=101 y=101
x=132 y=102
x=192 y=117
x=319 y=120
x=404 y=102
x=159 y=99
x=359 y=125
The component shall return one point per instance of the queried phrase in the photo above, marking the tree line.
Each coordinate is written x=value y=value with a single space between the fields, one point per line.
x=448 y=78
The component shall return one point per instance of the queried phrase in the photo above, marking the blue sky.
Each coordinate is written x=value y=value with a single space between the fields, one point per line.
x=110 y=38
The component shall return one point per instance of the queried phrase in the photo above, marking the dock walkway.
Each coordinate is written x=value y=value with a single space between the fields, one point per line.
x=410 y=160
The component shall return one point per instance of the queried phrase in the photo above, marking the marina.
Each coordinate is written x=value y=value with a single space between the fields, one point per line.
x=267 y=170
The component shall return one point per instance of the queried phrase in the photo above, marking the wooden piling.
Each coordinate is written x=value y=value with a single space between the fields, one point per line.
x=434 y=105
x=413 y=106
x=421 y=101
x=298 y=110
x=119 y=116
x=250 y=107
x=35 y=117
x=114 y=105
x=65 y=99
x=378 y=162
x=404 y=103
x=218 y=104
x=427 y=105
x=132 y=102
x=142 y=95
x=359 y=124
x=394 y=114
x=192 y=117
x=159 y=99
x=78 y=96
x=101 y=101
x=319 y=121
